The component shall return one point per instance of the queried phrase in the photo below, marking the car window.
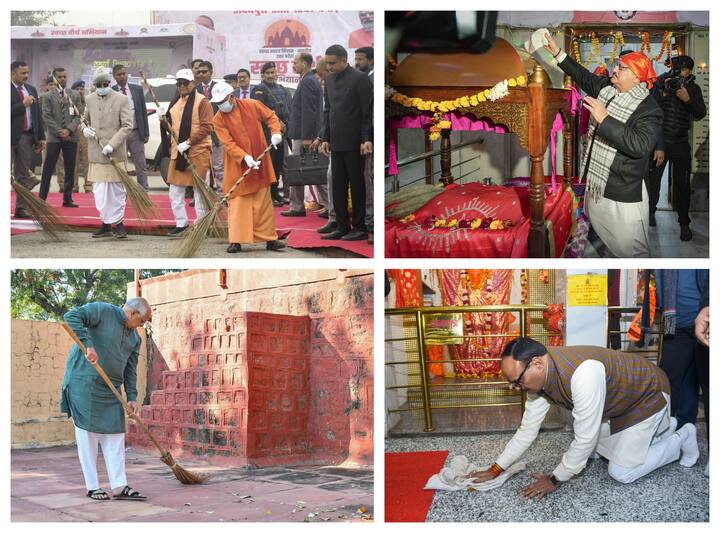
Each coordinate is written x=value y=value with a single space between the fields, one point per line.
x=164 y=93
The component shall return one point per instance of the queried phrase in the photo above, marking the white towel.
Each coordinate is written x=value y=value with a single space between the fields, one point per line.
x=537 y=40
x=457 y=476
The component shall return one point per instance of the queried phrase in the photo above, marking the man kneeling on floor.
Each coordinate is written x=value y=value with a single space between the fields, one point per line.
x=620 y=404
x=108 y=332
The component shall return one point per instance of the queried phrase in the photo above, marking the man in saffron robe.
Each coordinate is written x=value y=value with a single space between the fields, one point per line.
x=238 y=125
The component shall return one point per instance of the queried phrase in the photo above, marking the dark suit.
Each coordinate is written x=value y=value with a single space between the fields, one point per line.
x=135 y=142
x=60 y=112
x=305 y=109
x=23 y=143
x=348 y=124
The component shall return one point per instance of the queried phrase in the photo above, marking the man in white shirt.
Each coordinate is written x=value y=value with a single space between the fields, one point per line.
x=620 y=404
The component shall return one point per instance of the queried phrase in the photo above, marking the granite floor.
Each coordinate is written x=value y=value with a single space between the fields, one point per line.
x=665 y=237
x=47 y=486
x=670 y=494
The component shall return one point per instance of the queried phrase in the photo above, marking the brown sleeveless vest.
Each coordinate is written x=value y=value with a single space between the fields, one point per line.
x=634 y=386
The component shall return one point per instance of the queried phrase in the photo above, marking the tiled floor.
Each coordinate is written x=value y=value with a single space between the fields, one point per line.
x=670 y=494
x=47 y=486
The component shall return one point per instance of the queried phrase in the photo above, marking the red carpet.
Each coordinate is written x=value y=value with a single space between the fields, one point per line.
x=405 y=476
x=301 y=230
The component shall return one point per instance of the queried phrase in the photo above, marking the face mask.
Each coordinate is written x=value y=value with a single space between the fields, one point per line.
x=226 y=107
x=103 y=91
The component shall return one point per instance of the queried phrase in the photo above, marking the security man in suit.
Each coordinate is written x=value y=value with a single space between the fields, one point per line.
x=59 y=110
x=27 y=131
x=204 y=87
x=141 y=132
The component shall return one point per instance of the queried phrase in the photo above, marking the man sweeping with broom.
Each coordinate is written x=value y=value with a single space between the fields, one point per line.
x=238 y=125
x=108 y=333
x=109 y=120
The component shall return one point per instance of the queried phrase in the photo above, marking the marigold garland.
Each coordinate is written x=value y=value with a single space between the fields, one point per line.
x=432 y=222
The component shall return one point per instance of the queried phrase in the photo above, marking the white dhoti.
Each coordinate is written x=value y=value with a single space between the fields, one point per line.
x=110 y=201
x=638 y=450
x=113 y=449
x=622 y=226
x=177 y=203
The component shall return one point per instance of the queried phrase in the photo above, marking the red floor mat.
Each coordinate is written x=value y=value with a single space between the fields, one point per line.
x=302 y=230
x=405 y=476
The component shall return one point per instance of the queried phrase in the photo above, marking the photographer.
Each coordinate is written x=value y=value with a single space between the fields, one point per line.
x=682 y=102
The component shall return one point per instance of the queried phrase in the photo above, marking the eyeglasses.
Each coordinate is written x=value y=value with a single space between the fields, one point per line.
x=103 y=84
x=515 y=383
x=182 y=83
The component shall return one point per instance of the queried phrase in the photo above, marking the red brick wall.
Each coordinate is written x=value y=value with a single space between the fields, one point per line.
x=277 y=369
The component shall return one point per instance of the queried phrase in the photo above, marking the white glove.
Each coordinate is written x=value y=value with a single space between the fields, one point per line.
x=183 y=146
x=249 y=161
x=276 y=139
x=89 y=133
x=108 y=149
x=161 y=111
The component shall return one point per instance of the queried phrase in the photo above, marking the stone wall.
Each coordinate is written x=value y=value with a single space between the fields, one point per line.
x=38 y=355
x=276 y=368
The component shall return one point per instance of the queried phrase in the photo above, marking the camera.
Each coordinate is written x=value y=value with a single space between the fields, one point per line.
x=675 y=81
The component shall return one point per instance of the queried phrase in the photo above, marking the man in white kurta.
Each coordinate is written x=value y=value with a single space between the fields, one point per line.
x=620 y=405
x=110 y=121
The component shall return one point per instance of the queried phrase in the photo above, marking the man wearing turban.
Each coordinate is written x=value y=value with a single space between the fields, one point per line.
x=624 y=126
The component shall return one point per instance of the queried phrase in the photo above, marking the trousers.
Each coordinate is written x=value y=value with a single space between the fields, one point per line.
x=113 y=449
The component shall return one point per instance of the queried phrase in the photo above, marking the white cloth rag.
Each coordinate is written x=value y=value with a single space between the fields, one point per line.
x=457 y=476
x=537 y=40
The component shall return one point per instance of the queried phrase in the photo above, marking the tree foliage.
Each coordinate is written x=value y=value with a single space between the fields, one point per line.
x=47 y=294
x=33 y=18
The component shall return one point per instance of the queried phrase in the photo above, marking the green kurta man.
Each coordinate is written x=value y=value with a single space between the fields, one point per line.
x=108 y=333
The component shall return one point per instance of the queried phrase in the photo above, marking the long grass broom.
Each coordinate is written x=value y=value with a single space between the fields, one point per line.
x=207 y=197
x=38 y=209
x=138 y=197
x=184 y=476
x=198 y=232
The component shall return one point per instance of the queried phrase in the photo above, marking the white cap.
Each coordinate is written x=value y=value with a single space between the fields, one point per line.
x=220 y=91
x=185 y=74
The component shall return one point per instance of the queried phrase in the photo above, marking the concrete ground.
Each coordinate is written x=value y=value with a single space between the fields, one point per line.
x=47 y=486
x=672 y=493
x=80 y=244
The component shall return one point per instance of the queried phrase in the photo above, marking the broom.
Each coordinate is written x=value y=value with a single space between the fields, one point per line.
x=207 y=197
x=38 y=209
x=185 y=477
x=139 y=199
x=198 y=232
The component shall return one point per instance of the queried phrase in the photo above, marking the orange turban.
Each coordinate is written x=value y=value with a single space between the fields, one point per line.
x=641 y=67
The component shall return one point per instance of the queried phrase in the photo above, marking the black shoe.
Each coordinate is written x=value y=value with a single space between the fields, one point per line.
x=356 y=235
x=275 y=245
x=70 y=204
x=278 y=203
x=685 y=233
x=21 y=213
x=119 y=231
x=335 y=235
x=104 y=231
x=328 y=228
x=175 y=232
x=652 y=219
x=292 y=213
x=234 y=248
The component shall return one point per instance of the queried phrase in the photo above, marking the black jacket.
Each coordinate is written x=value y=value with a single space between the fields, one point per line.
x=140 y=110
x=678 y=116
x=634 y=140
x=305 y=109
x=17 y=114
x=348 y=110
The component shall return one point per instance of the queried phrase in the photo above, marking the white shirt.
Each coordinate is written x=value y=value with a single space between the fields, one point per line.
x=588 y=390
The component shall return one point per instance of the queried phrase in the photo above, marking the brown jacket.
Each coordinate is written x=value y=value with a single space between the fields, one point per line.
x=634 y=386
x=200 y=151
